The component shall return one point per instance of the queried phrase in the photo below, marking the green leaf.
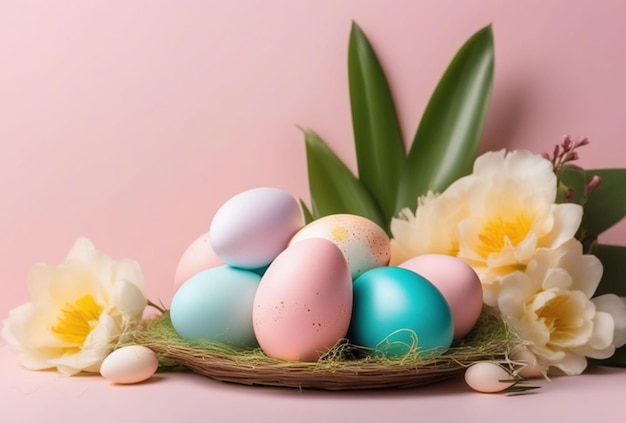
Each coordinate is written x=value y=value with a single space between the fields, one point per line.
x=575 y=179
x=445 y=144
x=606 y=204
x=333 y=187
x=613 y=258
x=308 y=216
x=378 y=139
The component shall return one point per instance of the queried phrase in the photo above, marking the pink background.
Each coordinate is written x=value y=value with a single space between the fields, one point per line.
x=132 y=122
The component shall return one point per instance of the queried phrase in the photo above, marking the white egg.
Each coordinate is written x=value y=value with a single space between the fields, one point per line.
x=488 y=377
x=130 y=364
x=253 y=227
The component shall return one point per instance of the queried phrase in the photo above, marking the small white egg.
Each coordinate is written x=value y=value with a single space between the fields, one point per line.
x=130 y=364
x=488 y=377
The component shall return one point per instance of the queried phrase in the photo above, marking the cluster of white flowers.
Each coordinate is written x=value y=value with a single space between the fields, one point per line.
x=78 y=311
x=503 y=221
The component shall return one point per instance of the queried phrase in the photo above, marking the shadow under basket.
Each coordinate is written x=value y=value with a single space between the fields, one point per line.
x=344 y=367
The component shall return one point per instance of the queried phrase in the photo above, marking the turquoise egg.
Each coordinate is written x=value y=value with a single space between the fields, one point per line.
x=396 y=309
x=215 y=305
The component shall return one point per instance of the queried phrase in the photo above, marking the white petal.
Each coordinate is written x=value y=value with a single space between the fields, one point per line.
x=129 y=298
x=571 y=364
x=516 y=289
x=82 y=250
x=614 y=305
x=567 y=218
x=13 y=327
x=603 y=329
x=130 y=271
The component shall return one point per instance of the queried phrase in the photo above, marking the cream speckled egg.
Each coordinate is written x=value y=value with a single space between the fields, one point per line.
x=364 y=244
x=303 y=304
x=130 y=364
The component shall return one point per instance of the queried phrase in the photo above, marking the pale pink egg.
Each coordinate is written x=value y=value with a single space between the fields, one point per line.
x=303 y=304
x=364 y=244
x=197 y=257
x=458 y=283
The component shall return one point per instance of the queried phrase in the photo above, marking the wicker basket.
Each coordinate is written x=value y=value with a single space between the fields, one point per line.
x=345 y=367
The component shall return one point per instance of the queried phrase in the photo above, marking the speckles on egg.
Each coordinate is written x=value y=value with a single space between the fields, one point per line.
x=304 y=301
x=364 y=244
x=338 y=234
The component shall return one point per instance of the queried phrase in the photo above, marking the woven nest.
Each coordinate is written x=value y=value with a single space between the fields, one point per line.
x=344 y=367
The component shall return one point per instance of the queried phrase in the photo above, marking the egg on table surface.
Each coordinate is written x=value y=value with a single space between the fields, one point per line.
x=250 y=229
x=304 y=301
x=215 y=305
x=364 y=244
x=488 y=377
x=396 y=310
x=129 y=364
x=458 y=283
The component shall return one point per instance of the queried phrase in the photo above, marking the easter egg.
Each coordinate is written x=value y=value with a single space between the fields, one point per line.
x=197 y=257
x=488 y=377
x=458 y=283
x=304 y=301
x=215 y=305
x=364 y=244
x=250 y=229
x=396 y=310
x=129 y=364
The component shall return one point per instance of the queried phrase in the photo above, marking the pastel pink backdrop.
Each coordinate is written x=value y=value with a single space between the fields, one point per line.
x=131 y=122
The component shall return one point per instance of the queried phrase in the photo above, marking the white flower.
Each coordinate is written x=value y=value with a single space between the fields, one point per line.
x=550 y=306
x=494 y=219
x=78 y=311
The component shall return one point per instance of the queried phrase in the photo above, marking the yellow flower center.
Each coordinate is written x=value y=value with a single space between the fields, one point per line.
x=77 y=320
x=558 y=316
x=498 y=233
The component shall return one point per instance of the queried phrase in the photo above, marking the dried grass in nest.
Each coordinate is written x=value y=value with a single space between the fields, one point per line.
x=344 y=367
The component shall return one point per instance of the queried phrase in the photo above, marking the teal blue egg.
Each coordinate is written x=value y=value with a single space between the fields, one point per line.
x=215 y=305
x=395 y=310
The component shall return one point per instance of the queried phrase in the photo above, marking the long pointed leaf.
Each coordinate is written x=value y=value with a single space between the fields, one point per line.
x=445 y=144
x=378 y=139
x=308 y=216
x=333 y=187
x=606 y=204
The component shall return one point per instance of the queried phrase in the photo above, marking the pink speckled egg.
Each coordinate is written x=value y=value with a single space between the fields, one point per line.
x=458 y=283
x=303 y=304
x=364 y=244
x=197 y=257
